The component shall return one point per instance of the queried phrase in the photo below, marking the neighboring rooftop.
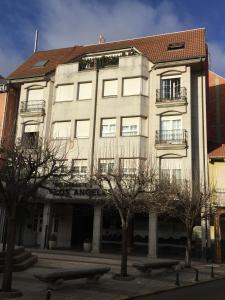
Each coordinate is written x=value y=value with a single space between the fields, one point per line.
x=155 y=48
x=217 y=152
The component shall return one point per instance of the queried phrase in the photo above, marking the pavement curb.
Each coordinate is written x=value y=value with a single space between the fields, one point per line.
x=169 y=289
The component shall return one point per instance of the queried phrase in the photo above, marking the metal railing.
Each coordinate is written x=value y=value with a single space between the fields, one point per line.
x=171 y=94
x=32 y=106
x=176 y=136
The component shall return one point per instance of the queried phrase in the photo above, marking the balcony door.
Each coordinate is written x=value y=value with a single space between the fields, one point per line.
x=170 y=88
x=34 y=99
x=171 y=129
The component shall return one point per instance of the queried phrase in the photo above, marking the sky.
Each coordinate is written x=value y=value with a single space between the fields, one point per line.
x=63 y=23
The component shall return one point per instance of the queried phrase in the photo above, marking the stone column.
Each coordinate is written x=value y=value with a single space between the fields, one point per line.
x=46 y=225
x=97 y=228
x=152 y=236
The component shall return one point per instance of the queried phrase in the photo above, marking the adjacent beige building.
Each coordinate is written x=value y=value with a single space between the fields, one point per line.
x=114 y=103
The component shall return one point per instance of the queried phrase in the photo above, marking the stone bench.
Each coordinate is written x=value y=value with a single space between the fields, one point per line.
x=146 y=267
x=56 y=278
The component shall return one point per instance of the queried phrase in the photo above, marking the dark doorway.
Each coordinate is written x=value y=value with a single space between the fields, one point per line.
x=82 y=224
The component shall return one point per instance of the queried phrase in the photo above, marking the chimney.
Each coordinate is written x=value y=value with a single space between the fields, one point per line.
x=101 y=39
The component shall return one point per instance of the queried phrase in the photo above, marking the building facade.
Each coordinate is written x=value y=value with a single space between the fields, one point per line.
x=115 y=103
x=216 y=156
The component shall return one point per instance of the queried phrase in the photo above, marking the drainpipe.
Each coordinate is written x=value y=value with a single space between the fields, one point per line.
x=204 y=164
x=94 y=120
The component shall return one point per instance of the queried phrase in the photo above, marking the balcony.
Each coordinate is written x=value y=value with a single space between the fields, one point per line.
x=176 y=138
x=34 y=107
x=171 y=97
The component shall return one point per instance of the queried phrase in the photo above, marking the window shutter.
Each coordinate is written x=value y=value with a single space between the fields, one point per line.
x=61 y=130
x=35 y=94
x=110 y=87
x=84 y=90
x=64 y=92
x=31 y=128
x=82 y=128
x=132 y=86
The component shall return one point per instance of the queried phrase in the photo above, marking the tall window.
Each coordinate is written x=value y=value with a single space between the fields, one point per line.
x=108 y=127
x=64 y=92
x=84 y=90
x=79 y=167
x=110 y=87
x=170 y=88
x=134 y=126
x=106 y=165
x=61 y=130
x=171 y=129
x=30 y=135
x=82 y=129
x=35 y=95
x=170 y=169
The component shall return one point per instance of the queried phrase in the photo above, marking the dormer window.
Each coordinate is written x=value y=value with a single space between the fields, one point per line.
x=176 y=46
x=40 y=63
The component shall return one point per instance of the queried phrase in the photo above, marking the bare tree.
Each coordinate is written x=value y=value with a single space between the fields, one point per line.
x=130 y=189
x=24 y=170
x=192 y=201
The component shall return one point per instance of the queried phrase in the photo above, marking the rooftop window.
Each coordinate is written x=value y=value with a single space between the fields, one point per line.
x=40 y=63
x=176 y=46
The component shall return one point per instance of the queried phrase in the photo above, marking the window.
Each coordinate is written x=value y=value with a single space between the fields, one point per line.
x=176 y=46
x=170 y=169
x=82 y=129
x=170 y=88
x=132 y=126
x=40 y=63
x=79 y=167
x=61 y=130
x=134 y=86
x=130 y=165
x=30 y=135
x=171 y=129
x=106 y=165
x=84 y=90
x=35 y=94
x=64 y=92
x=110 y=88
x=108 y=127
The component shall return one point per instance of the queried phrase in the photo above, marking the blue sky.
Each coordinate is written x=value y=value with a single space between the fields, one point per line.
x=63 y=23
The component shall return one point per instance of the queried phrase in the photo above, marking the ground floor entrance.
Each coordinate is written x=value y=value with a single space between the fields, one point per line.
x=75 y=223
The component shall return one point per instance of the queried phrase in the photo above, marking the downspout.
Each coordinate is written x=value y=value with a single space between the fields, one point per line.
x=94 y=119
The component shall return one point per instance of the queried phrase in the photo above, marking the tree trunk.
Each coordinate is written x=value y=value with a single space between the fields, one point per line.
x=188 y=252
x=8 y=266
x=123 y=271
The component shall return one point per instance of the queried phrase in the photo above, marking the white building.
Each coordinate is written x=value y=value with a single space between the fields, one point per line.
x=115 y=101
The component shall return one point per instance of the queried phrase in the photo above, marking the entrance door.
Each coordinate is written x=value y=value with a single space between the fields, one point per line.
x=82 y=227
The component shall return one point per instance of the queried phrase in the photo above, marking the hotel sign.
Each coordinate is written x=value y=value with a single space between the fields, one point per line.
x=76 y=191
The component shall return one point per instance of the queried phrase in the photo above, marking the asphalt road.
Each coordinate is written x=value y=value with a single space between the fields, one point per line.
x=214 y=290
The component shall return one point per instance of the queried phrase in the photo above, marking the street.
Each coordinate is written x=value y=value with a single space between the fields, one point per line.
x=206 y=291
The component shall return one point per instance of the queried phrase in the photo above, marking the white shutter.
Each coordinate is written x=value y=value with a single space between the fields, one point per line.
x=110 y=87
x=131 y=121
x=64 y=92
x=61 y=130
x=82 y=129
x=132 y=86
x=171 y=163
x=31 y=128
x=35 y=94
x=84 y=90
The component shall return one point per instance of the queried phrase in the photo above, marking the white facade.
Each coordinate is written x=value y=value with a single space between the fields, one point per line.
x=135 y=109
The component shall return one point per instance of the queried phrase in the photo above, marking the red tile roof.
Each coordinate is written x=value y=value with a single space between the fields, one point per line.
x=153 y=47
x=218 y=152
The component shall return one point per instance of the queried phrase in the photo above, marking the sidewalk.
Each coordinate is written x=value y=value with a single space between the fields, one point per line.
x=107 y=288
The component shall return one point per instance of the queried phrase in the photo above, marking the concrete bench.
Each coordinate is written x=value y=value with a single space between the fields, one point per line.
x=55 y=279
x=147 y=267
